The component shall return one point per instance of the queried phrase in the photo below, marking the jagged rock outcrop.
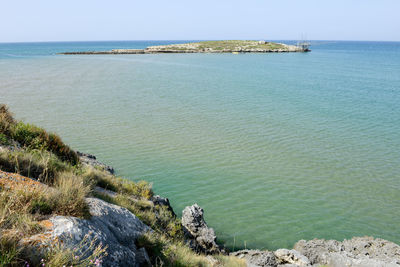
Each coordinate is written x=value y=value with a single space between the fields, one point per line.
x=199 y=236
x=355 y=252
x=164 y=202
x=91 y=160
x=114 y=227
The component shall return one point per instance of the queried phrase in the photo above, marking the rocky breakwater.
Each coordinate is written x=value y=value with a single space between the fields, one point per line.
x=111 y=52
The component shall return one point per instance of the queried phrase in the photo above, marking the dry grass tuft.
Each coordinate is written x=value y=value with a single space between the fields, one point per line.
x=40 y=165
x=84 y=255
x=70 y=194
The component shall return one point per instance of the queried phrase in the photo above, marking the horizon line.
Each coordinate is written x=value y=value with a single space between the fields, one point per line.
x=141 y=40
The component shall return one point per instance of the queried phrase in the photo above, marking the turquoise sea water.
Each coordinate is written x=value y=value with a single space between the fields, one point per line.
x=274 y=147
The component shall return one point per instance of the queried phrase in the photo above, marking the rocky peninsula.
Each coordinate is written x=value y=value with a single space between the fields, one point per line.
x=59 y=207
x=228 y=46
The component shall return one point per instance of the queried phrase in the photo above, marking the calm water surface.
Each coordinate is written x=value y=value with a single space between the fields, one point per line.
x=274 y=147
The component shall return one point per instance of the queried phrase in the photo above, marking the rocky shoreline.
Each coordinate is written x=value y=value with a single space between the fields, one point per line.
x=234 y=46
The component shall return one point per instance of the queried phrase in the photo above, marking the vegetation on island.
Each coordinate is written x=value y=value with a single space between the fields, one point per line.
x=59 y=186
x=231 y=45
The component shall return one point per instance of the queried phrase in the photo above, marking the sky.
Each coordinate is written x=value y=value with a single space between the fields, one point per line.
x=92 y=20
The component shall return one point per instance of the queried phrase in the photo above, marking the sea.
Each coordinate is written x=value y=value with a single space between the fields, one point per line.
x=274 y=147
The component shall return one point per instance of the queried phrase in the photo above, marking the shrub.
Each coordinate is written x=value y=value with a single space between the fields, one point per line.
x=29 y=135
x=34 y=137
x=64 y=152
x=6 y=120
x=41 y=206
x=3 y=139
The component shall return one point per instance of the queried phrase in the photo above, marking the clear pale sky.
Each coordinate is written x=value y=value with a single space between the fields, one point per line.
x=75 y=20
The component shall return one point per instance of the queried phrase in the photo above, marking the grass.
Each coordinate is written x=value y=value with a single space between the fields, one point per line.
x=85 y=254
x=9 y=255
x=70 y=194
x=37 y=164
x=165 y=252
x=141 y=189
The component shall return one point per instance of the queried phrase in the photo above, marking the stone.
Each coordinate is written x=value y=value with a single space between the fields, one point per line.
x=286 y=256
x=199 y=236
x=91 y=160
x=112 y=226
x=257 y=258
x=105 y=192
x=355 y=252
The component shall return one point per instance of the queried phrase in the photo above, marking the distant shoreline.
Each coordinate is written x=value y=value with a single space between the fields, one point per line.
x=231 y=46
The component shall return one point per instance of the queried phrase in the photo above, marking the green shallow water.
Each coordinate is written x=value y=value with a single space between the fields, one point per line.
x=274 y=147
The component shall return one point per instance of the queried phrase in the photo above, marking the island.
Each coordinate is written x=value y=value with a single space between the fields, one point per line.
x=227 y=46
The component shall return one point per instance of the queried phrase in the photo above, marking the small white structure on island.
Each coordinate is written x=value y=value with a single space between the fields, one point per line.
x=261 y=42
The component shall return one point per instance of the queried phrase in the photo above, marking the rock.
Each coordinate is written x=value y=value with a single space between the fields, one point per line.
x=286 y=256
x=200 y=237
x=91 y=160
x=358 y=251
x=256 y=258
x=114 y=227
x=163 y=201
x=105 y=192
